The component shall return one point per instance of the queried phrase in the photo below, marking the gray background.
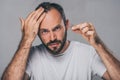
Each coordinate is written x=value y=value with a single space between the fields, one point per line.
x=104 y=14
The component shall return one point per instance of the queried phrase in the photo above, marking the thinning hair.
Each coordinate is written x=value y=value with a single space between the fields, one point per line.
x=48 y=6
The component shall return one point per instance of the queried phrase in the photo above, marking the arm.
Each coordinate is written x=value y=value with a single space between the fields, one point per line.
x=16 y=68
x=112 y=64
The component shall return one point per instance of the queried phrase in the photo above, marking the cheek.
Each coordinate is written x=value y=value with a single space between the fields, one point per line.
x=44 y=39
x=60 y=35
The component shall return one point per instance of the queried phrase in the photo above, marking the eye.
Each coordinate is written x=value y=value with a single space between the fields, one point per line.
x=43 y=32
x=57 y=28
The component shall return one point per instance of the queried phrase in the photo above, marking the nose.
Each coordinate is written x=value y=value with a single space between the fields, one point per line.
x=52 y=36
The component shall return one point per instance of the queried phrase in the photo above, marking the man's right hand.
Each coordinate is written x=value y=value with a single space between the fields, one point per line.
x=31 y=24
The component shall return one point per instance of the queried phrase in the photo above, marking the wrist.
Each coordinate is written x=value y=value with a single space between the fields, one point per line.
x=25 y=43
x=98 y=43
x=100 y=47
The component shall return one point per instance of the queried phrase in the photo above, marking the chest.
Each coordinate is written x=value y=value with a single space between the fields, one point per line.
x=72 y=67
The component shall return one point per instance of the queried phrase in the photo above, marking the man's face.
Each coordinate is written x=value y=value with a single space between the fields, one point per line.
x=53 y=32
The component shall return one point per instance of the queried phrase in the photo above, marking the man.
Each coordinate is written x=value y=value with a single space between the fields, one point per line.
x=58 y=58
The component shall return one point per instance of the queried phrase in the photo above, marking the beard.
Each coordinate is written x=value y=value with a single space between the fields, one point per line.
x=56 y=50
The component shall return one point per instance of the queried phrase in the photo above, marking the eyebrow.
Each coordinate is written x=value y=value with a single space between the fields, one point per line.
x=56 y=27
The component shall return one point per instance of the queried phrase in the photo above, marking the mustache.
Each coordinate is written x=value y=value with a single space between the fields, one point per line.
x=55 y=41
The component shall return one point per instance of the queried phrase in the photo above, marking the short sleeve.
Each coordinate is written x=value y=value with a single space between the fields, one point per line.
x=97 y=65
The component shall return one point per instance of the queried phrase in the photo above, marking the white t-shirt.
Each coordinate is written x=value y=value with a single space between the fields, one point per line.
x=78 y=62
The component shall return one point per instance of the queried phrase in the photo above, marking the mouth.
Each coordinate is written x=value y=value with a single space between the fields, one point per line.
x=53 y=45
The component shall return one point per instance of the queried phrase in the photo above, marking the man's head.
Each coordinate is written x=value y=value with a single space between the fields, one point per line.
x=48 y=6
x=53 y=28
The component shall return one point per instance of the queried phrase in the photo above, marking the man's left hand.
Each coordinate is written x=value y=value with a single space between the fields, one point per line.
x=88 y=31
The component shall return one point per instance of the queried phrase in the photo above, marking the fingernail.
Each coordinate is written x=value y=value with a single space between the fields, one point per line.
x=72 y=27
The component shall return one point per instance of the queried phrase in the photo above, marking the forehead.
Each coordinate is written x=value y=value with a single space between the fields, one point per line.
x=52 y=18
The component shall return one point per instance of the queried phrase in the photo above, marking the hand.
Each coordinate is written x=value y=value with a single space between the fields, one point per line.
x=31 y=24
x=88 y=31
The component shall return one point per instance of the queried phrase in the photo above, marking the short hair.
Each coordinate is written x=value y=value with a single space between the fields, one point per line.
x=48 y=6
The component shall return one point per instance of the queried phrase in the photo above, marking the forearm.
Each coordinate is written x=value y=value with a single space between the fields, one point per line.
x=16 y=68
x=111 y=63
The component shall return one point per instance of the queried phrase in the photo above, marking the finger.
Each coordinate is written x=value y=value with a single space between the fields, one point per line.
x=41 y=18
x=30 y=15
x=84 y=25
x=39 y=21
x=90 y=33
x=77 y=27
x=80 y=26
x=91 y=26
x=22 y=23
x=37 y=14
x=77 y=31
x=85 y=29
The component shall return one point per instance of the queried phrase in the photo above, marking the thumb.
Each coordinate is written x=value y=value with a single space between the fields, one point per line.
x=76 y=29
x=22 y=23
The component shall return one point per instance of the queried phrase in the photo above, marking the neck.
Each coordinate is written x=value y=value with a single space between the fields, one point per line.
x=65 y=46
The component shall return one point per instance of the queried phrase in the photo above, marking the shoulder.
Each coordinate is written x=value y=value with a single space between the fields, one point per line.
x=83 y=48
x=37 y=48
x=36 y=51
x=81 y=45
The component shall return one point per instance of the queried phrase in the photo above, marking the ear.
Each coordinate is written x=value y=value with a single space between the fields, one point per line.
x=67 y=24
